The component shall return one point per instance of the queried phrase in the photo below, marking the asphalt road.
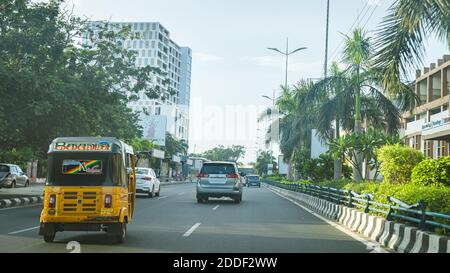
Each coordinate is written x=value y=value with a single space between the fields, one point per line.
x=263 y=223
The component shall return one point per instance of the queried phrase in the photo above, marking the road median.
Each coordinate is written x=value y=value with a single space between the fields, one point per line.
x=393 y=235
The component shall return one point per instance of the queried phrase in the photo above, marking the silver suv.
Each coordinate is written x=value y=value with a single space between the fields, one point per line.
x=12 y=176
x=219 y=179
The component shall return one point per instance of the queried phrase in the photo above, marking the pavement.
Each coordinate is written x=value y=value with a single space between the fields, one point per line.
x=174 y=222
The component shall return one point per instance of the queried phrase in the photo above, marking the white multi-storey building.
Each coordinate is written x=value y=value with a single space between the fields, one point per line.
x=155 y=48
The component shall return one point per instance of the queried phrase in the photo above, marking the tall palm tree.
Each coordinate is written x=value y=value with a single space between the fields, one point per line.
x=353 y=94
x=401 y=36
x=296 y=120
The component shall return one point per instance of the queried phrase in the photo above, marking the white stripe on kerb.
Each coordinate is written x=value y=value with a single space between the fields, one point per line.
x=192 y=229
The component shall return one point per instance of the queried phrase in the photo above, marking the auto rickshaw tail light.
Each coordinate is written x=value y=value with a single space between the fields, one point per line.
x=52 y=201
x=108 y=201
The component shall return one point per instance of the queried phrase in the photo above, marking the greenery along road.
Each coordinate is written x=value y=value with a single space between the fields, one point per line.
x=52 y=86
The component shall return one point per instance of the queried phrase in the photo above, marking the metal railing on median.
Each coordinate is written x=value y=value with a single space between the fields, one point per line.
x=393 y=210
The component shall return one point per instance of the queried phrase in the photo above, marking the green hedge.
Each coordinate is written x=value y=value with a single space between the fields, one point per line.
x=432 y=172
x=397 y=162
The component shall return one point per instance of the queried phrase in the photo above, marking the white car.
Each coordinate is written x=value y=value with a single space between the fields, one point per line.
x=146 y=182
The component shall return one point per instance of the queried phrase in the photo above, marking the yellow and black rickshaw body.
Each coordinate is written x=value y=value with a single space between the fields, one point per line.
x=90 y=186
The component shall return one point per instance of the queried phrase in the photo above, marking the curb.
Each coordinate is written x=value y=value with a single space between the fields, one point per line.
x=395 y=236
x=21 y=201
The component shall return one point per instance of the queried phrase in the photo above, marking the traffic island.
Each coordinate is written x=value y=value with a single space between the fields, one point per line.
x=21 y=196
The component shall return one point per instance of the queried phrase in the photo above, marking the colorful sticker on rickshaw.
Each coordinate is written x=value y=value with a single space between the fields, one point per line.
x=82 y=167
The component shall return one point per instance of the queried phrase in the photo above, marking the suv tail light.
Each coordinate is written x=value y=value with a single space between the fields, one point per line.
x=108 y=201
x=202 y=175
x=232 y=175
x=52 y=201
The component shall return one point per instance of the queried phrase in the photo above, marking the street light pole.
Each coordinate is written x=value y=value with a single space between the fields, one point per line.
x=286 y=54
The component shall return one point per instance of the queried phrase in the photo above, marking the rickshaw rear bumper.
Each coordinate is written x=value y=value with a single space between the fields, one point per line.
x=52 y=227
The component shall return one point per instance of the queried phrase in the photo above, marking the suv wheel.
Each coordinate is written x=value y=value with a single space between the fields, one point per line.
x=238 y=199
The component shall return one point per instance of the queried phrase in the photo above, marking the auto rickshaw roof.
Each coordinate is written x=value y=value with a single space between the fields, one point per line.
x=89 y=144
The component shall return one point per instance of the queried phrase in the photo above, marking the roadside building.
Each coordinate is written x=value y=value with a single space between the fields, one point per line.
x=427 y=126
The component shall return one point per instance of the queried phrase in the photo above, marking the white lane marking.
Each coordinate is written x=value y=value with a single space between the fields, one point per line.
x=162 y=197
x=181 y=193
x=192 y=229
x=23 y=230
x=376 y=248
x=216 y=207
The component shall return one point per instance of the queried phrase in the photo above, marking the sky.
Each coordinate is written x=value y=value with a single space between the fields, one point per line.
x=232 y=68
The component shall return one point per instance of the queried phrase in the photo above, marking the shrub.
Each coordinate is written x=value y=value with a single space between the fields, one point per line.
x=434 y=172
x=397 y=162
x=335 y=183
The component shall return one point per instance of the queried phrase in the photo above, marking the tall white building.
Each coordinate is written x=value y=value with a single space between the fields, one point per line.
x=154 y=47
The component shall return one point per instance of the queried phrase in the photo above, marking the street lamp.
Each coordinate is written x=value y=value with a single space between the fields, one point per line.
x=287 y=53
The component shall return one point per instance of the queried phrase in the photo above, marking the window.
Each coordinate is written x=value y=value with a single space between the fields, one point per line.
x=82 y=167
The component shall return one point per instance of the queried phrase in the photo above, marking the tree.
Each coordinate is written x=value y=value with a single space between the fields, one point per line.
x=349 y=96
x=262 y=162
x=222 y=153
x=60 y=88
x=365 y=143
x=400 y=43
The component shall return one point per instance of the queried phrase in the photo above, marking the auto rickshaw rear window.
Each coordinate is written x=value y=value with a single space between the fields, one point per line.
x=82 y=167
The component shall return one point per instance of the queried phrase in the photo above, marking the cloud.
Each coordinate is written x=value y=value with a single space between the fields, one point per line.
x=205 y=57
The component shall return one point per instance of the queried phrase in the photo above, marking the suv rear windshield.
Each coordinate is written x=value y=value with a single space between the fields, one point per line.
x=4 y=168
x=253 y=178
x=218 y=168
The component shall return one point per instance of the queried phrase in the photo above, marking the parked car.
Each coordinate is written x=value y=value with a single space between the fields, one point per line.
x=147 y=182
x=12 y=175
x=253 y=180
x=219 y=179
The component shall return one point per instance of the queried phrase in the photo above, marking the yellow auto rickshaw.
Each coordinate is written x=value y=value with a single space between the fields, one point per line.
x=90 y=186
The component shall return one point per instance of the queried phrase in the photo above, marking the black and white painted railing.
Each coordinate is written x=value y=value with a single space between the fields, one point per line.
x=393 y=235
x=20 y=201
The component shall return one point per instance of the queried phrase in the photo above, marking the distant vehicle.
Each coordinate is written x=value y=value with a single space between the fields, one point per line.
x=219 y=179
x=12 y=175
x=147 y=182
x=253 y=180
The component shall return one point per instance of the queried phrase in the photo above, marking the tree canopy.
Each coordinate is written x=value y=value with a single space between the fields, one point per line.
x=222 y=153
x=52 y=85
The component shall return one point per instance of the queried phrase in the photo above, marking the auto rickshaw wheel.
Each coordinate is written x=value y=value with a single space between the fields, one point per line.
x=49 y=238
x=118 y=232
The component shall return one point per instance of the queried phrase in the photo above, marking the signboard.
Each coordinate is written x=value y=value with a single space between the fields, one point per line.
x=176 y=159
x=435 y=123
x=158 y=154
x=102 y=146
x=269 y=169
x=282 y=167
x=154 y=128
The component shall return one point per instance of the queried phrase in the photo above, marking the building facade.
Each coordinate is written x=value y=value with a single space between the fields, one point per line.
x=155 y=48
x=427 y=126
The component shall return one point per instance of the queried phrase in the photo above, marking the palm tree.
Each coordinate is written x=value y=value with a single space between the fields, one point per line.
x=349 y=96
x=264 y=159
x=295 y=121
x=401 y=36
